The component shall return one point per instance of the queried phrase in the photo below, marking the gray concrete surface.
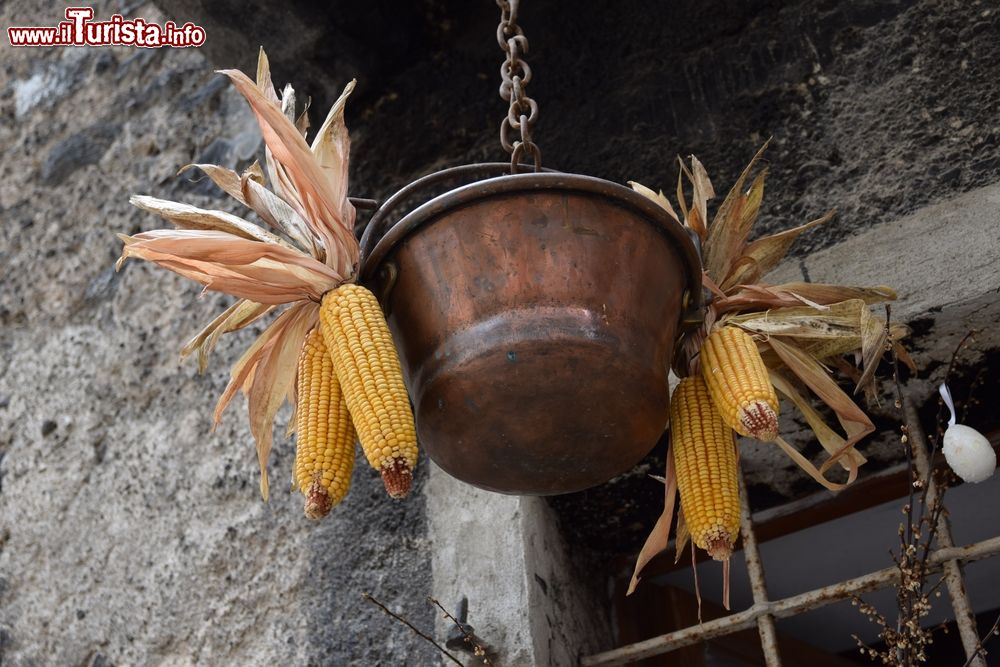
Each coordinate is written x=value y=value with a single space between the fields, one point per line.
x=943 y=255
x=528 y=597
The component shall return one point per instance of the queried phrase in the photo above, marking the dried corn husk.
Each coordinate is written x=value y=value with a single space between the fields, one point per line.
x=803 y=330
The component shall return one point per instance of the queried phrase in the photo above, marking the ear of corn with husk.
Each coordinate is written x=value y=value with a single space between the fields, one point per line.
x=368 y=368
x=324 y=447
x=704 y=452
x=738 y=384
x=760 y=340
x=307 y=252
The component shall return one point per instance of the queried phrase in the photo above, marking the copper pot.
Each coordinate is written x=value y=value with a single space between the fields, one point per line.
x=536 y=317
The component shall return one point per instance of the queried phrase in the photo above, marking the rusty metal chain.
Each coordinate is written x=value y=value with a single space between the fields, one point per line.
x=516 y=75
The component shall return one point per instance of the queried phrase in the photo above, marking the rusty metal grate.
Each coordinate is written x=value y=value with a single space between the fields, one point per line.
x=763 y=612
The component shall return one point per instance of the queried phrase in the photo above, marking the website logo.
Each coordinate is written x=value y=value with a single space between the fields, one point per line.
x=79 y=29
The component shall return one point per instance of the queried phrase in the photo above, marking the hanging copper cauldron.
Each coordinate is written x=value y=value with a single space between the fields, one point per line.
x=535 y=316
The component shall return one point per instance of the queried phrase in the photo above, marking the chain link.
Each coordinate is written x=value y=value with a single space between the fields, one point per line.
x=516 y=75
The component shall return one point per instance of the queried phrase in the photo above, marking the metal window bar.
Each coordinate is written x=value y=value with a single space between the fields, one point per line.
x=763 y=613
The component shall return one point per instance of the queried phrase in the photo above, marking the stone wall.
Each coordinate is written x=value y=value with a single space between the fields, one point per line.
x=130 y=533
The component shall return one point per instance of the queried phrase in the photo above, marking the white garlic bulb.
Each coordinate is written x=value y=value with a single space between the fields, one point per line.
x=966 y=450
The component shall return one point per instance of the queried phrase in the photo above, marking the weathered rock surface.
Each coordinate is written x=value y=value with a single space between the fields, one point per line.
x=130 y=533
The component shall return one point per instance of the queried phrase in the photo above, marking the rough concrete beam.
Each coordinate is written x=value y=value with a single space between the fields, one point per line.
x=942 y=260
x=939 y=257
x=528 y=600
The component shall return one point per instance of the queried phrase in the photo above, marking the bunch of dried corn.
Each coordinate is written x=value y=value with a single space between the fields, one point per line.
x=732 y=392
x=757 y=340
x=347 y=373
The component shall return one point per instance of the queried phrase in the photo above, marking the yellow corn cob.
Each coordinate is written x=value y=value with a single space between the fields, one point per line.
x=324 y=449
x=738 y=383
x=704 y=454
x=368 y=369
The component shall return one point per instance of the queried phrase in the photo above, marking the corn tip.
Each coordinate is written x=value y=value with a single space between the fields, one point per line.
x=398 y=478
x=759 y=420
x=720 y=545
x=318 y=503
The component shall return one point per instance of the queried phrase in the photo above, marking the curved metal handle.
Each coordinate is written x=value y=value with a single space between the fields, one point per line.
x=375 y=228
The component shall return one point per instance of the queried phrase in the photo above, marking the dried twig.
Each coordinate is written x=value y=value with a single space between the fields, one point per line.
x=474 y=642
x=981 y=649
x=905 y=643
x=411 y=627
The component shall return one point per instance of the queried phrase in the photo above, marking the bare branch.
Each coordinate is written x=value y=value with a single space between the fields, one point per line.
x=415 y=630
x=474 y=642
x=981 y=650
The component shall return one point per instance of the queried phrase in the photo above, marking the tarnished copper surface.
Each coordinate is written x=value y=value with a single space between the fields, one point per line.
x=535 y=317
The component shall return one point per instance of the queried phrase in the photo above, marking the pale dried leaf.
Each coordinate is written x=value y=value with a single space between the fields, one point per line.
x=830 y=440
x=243 y=317
x=826 y=294
x=719 y=246
x=744 y=271
x=770 y=250
x=659 y=537
x=282 y=183
x=822 y=349
x=701 y=187
x=320 y=208
x=227 y=179
x=264 y=82
x=751 y=207
x=727 y=238
x=241 y=373
x=760 y=257
x=855 y=422
x=838 y=320
x=288 y=103
x=755 y=297
x=332 y=147
x=302 y=122
x=701 y=192
x=697 y=216
x=254 y=173
x=276 y=211
x=828 y=348
x=274 y=373
x=261 y=272
x=659 y=198
x=200 y=337
x=239 y=315
x=682 y=202
x=185 y=216
x=817 y=474
x=873 y=340
x=279 y=178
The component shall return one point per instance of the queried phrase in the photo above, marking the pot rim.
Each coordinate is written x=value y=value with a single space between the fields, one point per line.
x=684 y=239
